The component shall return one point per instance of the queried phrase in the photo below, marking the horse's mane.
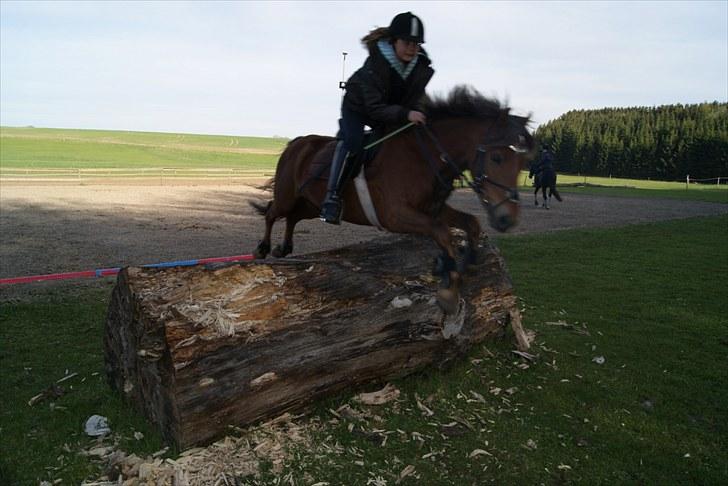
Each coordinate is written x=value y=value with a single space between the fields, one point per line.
x=464 y=101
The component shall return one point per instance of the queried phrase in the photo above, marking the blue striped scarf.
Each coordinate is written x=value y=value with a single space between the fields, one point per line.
x=404 y=70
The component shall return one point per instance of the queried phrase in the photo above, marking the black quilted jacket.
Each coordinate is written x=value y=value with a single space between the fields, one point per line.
x=380 y=95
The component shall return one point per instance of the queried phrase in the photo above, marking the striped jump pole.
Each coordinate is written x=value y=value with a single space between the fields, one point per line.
x=105 y=272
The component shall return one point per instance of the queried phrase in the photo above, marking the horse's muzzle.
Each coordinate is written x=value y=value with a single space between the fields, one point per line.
x=502 y=222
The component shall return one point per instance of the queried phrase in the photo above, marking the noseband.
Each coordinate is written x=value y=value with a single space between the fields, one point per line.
x=480 y=178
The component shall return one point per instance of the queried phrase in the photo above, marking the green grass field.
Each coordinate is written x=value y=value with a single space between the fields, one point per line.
x=46 y=148
x=38 y=152
x=607 y=186
x=650 y=299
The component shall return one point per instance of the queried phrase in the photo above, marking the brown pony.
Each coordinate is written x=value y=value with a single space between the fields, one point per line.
x=412 y=176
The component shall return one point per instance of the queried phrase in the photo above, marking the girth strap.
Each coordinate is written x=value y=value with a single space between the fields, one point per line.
x=365 y=199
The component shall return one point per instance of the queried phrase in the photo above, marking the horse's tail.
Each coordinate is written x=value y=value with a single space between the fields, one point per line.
x=262 y=209
x=268 y=185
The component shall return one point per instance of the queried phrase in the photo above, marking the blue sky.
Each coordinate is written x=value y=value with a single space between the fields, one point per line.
x=272 y=68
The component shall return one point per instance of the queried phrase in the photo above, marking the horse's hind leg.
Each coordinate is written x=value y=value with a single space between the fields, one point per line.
x=535 y=195
x=301 y=211
x=286 y=246
x=263 y=247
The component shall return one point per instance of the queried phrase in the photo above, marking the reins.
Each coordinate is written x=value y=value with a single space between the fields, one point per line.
x=323 y=168
x=479 y=179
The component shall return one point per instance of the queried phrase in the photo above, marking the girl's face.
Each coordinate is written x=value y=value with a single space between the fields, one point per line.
x=406 y=50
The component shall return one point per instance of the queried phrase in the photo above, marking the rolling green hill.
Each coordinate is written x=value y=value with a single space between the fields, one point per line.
x=50 y=148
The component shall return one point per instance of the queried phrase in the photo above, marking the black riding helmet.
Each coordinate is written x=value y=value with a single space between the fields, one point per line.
x=407 y=26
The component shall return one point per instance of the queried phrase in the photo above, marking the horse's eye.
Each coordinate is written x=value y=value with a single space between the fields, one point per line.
x=497 y=158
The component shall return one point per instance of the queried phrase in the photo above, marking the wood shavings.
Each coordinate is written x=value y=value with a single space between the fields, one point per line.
x=67 y=377
x=263 y=379
x=523 y=354
x=478 y=397
x=211 y=314
x=409 y=470
x=52 y=392
x=219 y=463
x=425 y=410
x=385 y=395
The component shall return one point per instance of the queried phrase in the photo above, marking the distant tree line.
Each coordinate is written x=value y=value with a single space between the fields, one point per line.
x=664 y=142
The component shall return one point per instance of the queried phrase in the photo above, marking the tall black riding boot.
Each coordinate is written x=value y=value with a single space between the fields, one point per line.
x=331 y=207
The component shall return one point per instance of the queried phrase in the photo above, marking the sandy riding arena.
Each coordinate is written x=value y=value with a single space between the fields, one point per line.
x=64 y=228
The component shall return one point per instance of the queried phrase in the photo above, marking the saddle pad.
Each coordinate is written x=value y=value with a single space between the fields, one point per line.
x=365 y=199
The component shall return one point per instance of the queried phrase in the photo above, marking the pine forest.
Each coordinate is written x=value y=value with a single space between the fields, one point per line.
x=664 y=143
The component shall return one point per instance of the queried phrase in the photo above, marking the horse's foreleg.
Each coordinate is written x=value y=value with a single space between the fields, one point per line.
x=468 y=223
x=408 y=220
x=535 y=196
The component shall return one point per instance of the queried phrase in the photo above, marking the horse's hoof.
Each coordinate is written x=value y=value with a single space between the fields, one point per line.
x=261 y=251
x=281 y=251
x=438 y=267
x=448 y=300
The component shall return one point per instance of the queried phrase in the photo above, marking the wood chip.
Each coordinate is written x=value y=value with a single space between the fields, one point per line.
x=407 y=471
x=525 y=355
x=385 y=395
x=425 y=411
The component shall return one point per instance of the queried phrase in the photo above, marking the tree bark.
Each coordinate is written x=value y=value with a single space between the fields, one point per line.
x=197 y=349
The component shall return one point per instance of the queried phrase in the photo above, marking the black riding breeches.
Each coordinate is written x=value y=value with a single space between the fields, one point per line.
x=351 y=130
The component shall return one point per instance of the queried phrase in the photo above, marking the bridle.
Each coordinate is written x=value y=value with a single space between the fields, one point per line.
x=480 y=178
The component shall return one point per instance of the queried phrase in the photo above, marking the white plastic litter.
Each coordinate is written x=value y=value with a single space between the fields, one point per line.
x=96 y=425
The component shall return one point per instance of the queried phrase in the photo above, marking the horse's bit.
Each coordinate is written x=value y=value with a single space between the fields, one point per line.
x=479 y=178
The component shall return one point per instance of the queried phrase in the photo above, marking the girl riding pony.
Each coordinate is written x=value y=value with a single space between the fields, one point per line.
x=387 y=90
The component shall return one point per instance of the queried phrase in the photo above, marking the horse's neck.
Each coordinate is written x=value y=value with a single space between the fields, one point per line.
x=459 y=138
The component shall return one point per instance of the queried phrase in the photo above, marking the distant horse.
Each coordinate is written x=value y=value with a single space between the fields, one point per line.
x=545 y=180
x=411 y=177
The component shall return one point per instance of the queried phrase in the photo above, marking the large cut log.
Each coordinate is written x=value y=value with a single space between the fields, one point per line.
x=197 y=349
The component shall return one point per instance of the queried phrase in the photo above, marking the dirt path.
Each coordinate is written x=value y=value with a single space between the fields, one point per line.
x=49 y=229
